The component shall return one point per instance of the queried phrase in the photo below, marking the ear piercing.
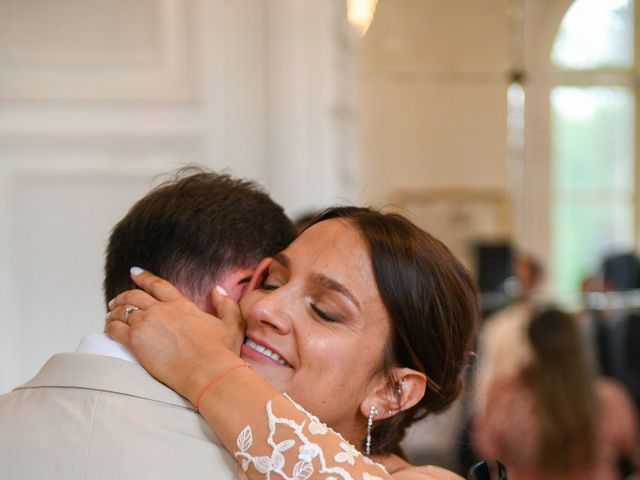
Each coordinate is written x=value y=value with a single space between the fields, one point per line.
x=399 y=388
x=373 y=411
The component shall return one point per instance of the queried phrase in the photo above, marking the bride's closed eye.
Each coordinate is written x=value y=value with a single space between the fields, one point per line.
x=267 y=286
x=322 y=314
x=268 y=281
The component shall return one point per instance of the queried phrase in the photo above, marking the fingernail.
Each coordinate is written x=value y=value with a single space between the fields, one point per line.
x=221 y=290
x=110 y=304
x=135 y=271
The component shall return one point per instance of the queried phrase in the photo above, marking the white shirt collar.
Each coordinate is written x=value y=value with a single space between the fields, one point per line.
x=101 y=344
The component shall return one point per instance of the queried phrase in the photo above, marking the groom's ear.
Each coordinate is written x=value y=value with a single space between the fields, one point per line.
x=236 y=282
x=259 y=275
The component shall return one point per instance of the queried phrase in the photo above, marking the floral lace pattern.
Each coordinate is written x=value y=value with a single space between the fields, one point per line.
x=298 y=446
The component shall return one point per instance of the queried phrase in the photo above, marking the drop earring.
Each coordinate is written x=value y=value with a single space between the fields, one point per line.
x=373 y=411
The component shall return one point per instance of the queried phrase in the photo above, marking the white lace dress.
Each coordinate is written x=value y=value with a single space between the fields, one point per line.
x=294 y=445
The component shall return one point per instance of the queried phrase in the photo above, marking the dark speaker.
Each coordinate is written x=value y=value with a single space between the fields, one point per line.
x=494 y=268
x=494 y=265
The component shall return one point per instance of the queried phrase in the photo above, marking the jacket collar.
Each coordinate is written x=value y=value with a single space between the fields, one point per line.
x=103 y=373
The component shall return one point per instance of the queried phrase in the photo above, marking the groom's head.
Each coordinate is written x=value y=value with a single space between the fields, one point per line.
x=197 y=231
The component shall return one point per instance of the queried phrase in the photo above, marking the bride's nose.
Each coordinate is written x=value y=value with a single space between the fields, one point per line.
x=272 y=311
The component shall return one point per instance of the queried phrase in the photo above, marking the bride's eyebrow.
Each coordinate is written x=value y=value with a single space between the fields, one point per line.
x=331 y=284
x=336 y=286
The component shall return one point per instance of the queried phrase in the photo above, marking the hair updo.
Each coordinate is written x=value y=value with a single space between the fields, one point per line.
x=431 y=302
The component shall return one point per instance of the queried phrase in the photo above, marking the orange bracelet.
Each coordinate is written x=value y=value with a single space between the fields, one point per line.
x=214 y=380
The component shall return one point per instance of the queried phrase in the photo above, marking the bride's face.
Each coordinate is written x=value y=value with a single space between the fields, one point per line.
x=317 y=310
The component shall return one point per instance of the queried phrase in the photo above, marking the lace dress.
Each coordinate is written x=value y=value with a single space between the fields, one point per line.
x=273 y=438
x=294 y=445
x=286 y=442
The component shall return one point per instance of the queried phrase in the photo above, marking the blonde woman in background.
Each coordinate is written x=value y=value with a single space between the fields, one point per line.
x=547 y=416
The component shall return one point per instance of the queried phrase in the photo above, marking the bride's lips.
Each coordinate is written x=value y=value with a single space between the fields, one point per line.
x=261 y=351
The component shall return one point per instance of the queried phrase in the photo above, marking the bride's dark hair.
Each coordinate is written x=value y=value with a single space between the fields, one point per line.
x=431 y=301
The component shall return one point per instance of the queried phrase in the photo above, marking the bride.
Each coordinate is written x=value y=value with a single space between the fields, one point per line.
x=355 y=331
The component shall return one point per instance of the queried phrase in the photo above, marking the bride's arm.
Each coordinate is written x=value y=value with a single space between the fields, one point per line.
x=267 y=431
x=197 y=355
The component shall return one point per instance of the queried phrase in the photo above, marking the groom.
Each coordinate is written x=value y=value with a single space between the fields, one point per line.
x=96 y=413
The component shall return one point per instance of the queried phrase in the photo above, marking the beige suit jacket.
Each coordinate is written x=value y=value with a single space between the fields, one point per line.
x=93 y=417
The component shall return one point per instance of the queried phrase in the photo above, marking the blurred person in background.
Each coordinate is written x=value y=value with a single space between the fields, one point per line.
x=551 y=417
x=495 y=354
x=621 y=330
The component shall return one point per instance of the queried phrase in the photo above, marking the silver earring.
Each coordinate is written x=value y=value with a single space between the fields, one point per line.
x=399 y=388
x=373 y=411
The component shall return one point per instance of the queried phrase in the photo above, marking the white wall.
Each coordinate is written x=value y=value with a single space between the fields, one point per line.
x=107 y=95
x=432 y=96
x=432 y=86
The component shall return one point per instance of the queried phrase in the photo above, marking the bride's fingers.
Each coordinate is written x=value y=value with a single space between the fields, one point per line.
x=159 y=288
x=120 y=332
x=228 y=310
x=138 y=298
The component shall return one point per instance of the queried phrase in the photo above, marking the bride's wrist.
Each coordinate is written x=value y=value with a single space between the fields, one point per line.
x=203 y=376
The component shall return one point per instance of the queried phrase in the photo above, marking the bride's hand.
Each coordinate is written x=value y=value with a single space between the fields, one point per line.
x=170 y=336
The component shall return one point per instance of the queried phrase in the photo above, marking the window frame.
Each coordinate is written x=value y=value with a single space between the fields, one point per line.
x=537 y=200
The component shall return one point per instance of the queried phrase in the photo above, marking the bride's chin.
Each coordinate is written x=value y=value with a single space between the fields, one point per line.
x=277 y=375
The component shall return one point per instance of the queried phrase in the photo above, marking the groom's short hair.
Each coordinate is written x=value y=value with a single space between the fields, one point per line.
x=193 y=228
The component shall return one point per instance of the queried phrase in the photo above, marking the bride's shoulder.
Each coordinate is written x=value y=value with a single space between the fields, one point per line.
x=427 y=472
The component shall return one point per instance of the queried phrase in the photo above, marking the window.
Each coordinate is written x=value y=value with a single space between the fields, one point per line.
x=592 y=141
